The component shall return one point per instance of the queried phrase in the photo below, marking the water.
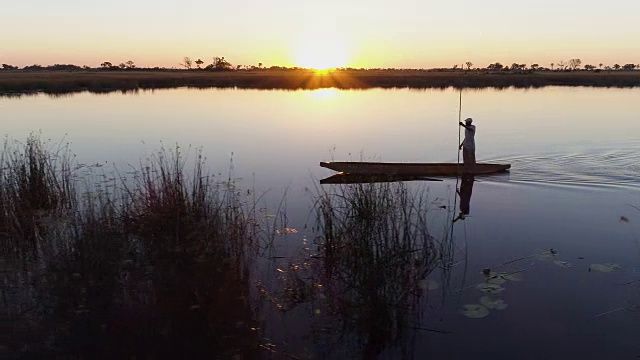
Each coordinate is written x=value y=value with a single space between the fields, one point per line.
x=573 y=188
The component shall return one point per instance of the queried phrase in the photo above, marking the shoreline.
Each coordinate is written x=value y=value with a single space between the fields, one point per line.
x=20 y=82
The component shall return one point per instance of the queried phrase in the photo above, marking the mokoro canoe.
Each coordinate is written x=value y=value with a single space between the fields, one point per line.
x=413 y=169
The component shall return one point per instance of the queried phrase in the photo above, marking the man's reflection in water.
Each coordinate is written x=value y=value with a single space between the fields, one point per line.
x=466 y=188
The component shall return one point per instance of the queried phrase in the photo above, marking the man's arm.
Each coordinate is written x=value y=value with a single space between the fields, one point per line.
x=463 y=125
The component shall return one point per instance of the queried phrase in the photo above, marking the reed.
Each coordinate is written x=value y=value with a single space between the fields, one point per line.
x=154 y=266
x=36 y=188
x=366 y=276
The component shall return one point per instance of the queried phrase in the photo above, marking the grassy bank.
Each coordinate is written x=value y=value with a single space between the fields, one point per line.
x=59 y=82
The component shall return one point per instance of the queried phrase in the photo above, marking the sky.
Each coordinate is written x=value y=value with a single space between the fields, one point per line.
x=328 y=33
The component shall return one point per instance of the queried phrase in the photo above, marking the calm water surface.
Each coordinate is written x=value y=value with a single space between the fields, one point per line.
x=572 y=194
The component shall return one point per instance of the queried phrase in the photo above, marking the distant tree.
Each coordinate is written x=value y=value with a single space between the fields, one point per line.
x=259 y=65
x=574 y=64
x=495 y=66
x=552 y=65
x=122 y=66
x=616 y=66
x=60 y=67
x=199 y=62
x=589 y=67
x=515 y=66
x=534 y=67
x=187 y=63
x=238 y=67
x=34 y=67
x=106 y=65
x=9 y=67
x=607 y=67
x=220 y=64
x=130 y=64
x=629 y=66
x=562 y=65
x=469 y=65
x=601 y=65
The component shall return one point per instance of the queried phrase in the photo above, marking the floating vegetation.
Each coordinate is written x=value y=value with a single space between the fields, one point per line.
x=474 y=311
x=624 y=219
x=514 y=276
x=496 y=279
x=495 y=304
x=563 y=264
x=490 y=288
x=499 y=278
x=546 y=255
x=286 y=231
x=609 y=267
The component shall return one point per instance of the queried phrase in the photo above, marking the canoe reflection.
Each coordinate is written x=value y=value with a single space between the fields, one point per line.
x=369 y=179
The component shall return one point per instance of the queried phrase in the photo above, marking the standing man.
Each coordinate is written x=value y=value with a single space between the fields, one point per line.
x=468 y=146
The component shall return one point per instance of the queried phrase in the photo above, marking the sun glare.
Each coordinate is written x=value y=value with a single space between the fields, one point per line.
x=321 y=51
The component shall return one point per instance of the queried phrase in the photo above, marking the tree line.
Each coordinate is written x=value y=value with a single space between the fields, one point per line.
x=562 y=65
x=219 y=63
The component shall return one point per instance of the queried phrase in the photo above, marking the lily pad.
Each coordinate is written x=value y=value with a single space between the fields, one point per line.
x=496 y=304
x=563 y=264
x=501 y=277
x=546 y=255
x=609 y=267
x=490 y=288
x=428 y=284
x=516 y=276
x=497 y=280
x=474 y=311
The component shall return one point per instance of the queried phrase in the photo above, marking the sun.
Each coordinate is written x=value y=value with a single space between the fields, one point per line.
x=321 y=51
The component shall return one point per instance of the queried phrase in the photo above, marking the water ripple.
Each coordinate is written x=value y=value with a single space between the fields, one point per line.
x=594 y=169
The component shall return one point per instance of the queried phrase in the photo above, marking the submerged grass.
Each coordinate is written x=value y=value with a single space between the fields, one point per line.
x=154 y=266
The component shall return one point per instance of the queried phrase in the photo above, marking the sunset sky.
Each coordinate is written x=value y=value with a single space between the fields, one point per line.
x=356 y=33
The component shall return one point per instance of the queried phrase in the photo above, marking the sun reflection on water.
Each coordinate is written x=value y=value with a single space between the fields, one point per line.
x=324 y=94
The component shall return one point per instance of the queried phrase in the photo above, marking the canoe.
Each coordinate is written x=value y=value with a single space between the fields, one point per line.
x=412 y=169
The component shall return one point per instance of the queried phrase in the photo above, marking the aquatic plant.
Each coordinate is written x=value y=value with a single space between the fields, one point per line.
x=154 y=266
x=369 y=270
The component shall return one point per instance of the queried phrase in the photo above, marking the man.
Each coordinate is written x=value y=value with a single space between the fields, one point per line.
x=468 y=146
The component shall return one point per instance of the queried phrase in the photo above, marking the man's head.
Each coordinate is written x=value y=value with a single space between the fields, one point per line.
x=468 y=121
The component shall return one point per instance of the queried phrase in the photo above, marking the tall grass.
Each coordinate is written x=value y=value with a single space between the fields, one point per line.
x=366 y=277
x=36 y=187
x=377 y=248
x=155 y=266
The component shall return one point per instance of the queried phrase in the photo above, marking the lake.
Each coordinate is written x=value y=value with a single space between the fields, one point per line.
x=546 y=264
